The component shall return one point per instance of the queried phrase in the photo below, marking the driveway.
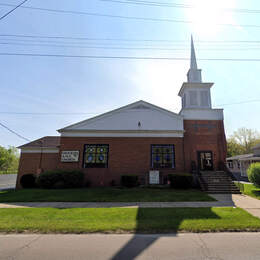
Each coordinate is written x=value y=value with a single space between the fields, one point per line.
x=7 y=181
x=214 y=246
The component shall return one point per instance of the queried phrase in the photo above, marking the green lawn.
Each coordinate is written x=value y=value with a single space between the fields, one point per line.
x=8 y=172
x=148 y=220
x=250 y=190
x=103 y=195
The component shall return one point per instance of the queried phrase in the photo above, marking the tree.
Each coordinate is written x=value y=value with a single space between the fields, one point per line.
x=242 y=141
x=9 y=158
x=234 y=148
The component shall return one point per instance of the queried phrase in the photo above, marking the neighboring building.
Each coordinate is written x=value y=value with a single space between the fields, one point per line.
x=239 y=164
x=136 y=139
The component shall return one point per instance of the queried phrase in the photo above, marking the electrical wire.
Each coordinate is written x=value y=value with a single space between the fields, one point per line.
x=174 y=5
x=94 y=113
x=123 y=57
x=15 y=133
x=122 y=39
x=15 y=7
x=128 y=17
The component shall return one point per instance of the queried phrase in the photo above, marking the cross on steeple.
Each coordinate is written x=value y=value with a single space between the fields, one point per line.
x=194 y=74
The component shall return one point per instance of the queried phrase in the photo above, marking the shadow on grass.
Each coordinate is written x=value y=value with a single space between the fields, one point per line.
x=160 y=223
x=256 y=193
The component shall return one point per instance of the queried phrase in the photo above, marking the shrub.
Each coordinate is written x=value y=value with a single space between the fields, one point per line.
x=253 y=173
x=129 y=181
x=28 y=181
x=180 y=180
x=60 y=179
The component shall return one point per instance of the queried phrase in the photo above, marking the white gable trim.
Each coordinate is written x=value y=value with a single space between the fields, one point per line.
x=134 y=105
x=122 y=133
x=39 y=150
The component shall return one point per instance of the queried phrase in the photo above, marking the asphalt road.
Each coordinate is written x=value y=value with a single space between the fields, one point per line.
x=213 y=246
x=7 y=181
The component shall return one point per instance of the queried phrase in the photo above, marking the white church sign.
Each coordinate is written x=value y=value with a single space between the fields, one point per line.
x=70 y=156
x=154 y=177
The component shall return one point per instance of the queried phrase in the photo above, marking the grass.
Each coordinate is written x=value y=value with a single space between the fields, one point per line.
x=8 y=172
x=250 y=190
x=103 y=195
x=142 y=220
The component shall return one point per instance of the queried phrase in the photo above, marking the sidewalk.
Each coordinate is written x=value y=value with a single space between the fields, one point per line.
x=197 y=204
x=223 y=200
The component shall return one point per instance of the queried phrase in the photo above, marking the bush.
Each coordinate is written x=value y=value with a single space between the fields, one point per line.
x=180 y=180
x=129 y=181
x=60 y=179
x=253 y=173
x=28 y=181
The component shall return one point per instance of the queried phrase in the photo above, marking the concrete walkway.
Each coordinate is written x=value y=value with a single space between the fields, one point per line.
x=198 y=204
x=223 y=200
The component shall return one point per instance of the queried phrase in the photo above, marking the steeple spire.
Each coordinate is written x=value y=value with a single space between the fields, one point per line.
x=193 y=62
x=194 y=74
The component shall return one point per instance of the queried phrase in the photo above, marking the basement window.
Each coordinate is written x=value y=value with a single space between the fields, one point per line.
x=162 y=156
x=96 y=156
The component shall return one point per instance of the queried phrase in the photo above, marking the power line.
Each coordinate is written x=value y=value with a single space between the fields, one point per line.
x=45 y=113
x=2 y=17
x=131 y=44
x=174 y=5
x=121 y=57
x=13 y=132
x=125 y=48
x=94 y=113
x=128 y=17
x=242 y=102
x=121 y=39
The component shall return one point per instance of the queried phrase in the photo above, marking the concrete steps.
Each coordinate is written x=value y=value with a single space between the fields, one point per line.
x=217 y=182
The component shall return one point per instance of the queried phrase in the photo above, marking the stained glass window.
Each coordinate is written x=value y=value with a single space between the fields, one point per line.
x=162 y=156
x=96 y=156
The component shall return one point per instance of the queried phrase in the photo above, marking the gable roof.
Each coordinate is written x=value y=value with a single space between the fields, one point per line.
x=44 y=142
x=139 y=106
x=239 y=157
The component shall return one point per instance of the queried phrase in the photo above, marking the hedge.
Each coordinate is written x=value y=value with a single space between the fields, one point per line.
x=253 y=173
x=28 y=181
x=129 y=181
x=180 y=180
x=60 y=179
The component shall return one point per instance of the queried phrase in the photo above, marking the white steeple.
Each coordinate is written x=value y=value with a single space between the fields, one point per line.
x=194 y=74
x=195 y=94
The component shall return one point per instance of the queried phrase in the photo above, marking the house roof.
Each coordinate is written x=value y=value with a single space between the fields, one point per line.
x=125 y=118
x=241 y=156
x=44 y=142
x=253 y=158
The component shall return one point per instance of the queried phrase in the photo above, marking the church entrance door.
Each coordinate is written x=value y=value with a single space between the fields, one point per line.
x=205 y=160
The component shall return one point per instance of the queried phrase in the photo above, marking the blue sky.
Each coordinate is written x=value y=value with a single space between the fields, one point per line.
x=93 y=86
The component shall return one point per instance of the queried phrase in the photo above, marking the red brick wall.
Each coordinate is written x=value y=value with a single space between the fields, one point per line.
x=126 y=156
x=30 y=162
x=133 y=155
x=204 y=135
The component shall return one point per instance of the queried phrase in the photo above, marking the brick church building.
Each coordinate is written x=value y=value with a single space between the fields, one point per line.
x=136 y=139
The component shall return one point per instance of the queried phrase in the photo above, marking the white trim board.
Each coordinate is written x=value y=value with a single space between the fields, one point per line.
x=39 y=150
x=122 y=134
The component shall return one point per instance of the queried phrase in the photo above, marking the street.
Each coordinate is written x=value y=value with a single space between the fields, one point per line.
x=214 y=246
x=7 y=181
